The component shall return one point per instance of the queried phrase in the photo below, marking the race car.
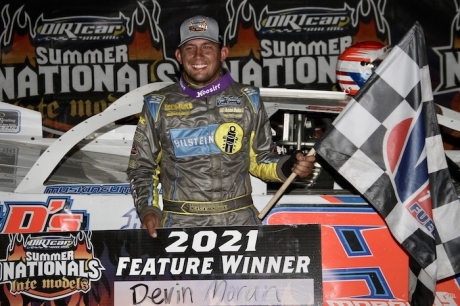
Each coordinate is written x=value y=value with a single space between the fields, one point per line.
x=96 y=150
x=78 y=182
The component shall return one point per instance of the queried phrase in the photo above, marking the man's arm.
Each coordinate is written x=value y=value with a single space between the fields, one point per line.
x=265 y=163
x=143 y=172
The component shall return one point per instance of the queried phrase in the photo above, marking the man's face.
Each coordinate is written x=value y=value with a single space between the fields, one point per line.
x=201 y=60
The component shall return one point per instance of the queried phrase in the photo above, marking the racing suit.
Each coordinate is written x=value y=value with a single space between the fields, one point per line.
x=201 y=145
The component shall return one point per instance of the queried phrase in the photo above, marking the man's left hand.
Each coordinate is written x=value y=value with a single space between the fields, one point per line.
x=304 y=165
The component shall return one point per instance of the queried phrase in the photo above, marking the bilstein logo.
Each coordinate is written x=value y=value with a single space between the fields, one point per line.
x=50 y=266
x=303 y=20
x=229 y=137
x=81 y=28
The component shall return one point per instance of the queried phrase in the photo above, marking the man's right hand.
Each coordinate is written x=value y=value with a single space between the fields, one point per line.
x=151 y=222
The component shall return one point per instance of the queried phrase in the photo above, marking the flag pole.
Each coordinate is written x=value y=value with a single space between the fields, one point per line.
x=280 y=191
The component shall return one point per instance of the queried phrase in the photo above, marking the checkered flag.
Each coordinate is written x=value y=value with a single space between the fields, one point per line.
x=387 y=144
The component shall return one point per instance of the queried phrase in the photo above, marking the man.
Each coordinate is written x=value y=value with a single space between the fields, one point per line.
x=201 y=138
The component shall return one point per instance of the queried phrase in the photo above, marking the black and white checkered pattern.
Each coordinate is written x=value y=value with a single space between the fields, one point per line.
x=375 y=137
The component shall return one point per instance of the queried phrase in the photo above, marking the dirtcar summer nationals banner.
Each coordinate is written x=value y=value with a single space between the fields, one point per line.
x=71 y=61
x=249 y=265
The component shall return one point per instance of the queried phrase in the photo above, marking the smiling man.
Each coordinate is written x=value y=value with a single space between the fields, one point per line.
x=202 y=138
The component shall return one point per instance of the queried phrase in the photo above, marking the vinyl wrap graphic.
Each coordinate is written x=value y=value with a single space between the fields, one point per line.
x=362 y=263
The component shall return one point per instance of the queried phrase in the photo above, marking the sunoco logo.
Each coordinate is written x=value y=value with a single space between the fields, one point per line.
x=305 y=20
x=50 y=266
x=81 y=28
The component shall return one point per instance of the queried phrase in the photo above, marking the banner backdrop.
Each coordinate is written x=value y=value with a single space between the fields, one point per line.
x=250 y=265
x=71 y=61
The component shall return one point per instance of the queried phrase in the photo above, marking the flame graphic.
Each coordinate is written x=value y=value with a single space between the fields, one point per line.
x=83 y=250
x=368 y=31
x=456 y=42
x=142 y=50
x=13 y=299
x=247 y=43
x=15 y=248
x=17 y=254
x=21 y=51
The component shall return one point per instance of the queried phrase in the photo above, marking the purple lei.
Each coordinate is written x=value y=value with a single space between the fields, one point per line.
x=208 y=90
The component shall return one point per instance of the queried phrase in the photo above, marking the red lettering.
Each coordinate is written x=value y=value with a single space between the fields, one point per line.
x=65 y=222
x=56 y=205
x=25 y=219
x=33 y=218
